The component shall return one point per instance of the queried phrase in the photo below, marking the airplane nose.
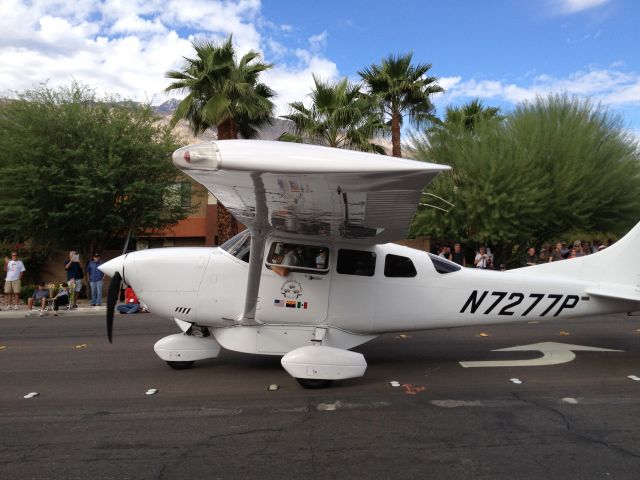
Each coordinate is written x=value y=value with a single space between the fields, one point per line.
x=113 y=266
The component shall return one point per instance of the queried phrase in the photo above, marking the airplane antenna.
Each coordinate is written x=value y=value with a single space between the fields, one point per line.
x=435 y=206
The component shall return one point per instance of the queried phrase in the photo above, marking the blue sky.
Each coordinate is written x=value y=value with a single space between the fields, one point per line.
x=503 y=51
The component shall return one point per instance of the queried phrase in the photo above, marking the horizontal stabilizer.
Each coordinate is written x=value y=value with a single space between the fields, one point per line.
x=619 y=292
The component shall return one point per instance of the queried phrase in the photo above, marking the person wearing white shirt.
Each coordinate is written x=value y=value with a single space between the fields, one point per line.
x=482 y=260
x=15 y=271
x=290 y=257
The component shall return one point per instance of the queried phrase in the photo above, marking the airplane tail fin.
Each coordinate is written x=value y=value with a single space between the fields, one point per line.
x=614 y=272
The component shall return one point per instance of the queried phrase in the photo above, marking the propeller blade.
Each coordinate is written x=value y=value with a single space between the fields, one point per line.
x=112 y=299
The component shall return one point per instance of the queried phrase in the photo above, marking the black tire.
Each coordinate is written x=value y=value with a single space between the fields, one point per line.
x=181 y=365
x=314 y=382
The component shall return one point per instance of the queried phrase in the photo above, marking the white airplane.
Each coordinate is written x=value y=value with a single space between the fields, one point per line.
x=313 y=276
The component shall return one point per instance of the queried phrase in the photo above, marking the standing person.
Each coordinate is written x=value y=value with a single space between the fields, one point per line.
x=15 y=271
x=482 y=260
x=544 y=253
x=74 y=275
x=577 y=246
x=40 y=296
x=446 y=252
x=131 y=303
x=557 y=253
x=95 y=279
x=531 y=259
x=457 y=255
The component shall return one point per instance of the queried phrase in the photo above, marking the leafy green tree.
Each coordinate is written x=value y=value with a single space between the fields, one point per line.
x=224 y=93
x=553 y=167
x=402 y=90
x=339 y=116
x=77 y=171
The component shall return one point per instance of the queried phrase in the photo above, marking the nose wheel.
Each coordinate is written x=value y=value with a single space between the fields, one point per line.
x=180 y=365
x=314 y=382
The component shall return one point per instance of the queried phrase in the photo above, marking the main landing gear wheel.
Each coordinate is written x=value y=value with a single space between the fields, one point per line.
x=180 y=365
x=314 y=382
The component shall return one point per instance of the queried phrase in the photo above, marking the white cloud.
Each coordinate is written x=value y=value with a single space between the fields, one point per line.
x=573 y=6
x=126 y=46
x=319 y=41
x=135 y=24
x=294 y=83
x=449 y=82
x=275 y=48
x=611 y=87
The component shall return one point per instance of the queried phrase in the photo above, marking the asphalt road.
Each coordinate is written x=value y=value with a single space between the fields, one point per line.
x=92 y=419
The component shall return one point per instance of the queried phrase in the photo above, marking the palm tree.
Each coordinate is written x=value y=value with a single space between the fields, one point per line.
x=339 y=116
x=468 y=116
x=223 y=93
x=402 y=89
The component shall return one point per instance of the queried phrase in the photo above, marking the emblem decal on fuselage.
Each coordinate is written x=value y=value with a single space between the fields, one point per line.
x=291 y=290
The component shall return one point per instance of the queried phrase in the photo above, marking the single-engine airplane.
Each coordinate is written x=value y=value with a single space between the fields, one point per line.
x=313 y=276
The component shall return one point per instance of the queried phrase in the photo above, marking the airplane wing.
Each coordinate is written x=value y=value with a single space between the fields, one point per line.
x=309 y=190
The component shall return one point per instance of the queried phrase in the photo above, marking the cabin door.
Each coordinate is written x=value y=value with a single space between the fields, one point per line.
x=295 y=283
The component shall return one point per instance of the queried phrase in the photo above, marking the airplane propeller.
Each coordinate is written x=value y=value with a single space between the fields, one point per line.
x=112 y=299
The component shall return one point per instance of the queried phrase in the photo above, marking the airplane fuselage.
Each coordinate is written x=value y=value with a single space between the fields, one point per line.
x=357 y=294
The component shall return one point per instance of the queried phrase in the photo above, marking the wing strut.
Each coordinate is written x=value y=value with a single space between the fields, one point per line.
x=259 y=231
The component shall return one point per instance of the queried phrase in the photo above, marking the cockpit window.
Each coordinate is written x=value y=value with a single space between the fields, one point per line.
x=239 y=246
x=297 y=258
x=442 y=265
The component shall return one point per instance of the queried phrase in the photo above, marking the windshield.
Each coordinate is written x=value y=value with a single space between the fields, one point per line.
x=239 y=246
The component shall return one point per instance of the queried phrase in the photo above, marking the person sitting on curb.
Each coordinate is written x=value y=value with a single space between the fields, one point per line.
x=40 y=296
x=62 y=298
x=131 y=303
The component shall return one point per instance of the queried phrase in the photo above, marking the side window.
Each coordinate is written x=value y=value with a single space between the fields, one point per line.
x=398 y=267
x=285 y=257
x=356 y=262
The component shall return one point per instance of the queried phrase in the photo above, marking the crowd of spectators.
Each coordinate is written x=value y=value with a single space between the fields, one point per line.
x=484 y=259
x=66 y=293
x=561 y=251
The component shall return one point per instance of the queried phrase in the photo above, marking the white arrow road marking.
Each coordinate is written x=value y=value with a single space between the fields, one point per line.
x=553 y=353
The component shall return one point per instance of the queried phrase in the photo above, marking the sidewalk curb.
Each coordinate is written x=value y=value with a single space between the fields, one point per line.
x=82 y=310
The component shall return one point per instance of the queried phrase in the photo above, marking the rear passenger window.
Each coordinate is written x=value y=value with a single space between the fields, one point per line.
x=397 y=266
x=356 y=262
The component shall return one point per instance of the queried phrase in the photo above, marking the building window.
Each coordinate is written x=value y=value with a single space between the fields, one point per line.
x=178 y=195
